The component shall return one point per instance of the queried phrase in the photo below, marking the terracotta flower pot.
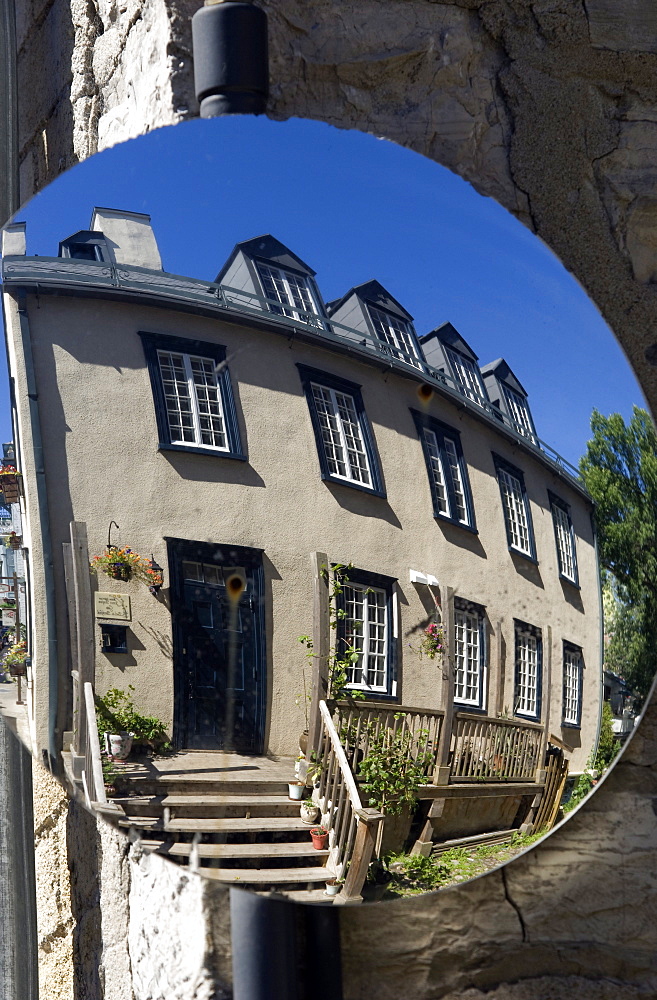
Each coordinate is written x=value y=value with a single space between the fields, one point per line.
x=319 y=837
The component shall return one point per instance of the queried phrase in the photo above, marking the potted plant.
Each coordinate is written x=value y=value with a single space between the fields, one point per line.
x=121 y=563
x=109 y=776
x=333 y=886
x=16 y=659
x=308 y=811
x=319 y=836
x=118 y=718
x=10 y=484
x=296 y=790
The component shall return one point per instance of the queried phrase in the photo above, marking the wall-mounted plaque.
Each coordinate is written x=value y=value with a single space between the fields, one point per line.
x=115 y=606
x=8 y=616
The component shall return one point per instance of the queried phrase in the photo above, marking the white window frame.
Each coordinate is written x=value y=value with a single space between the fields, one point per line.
x=396 y=334
x=468 y=626
x=350 y=626
x=292 y=296
x=337 y=424
x=442 y=495
x=193 y=398
x=517 y=517
x=527 y=672
x=565 y=542
x=572 y=686
x=518 y=412
x=466 y=375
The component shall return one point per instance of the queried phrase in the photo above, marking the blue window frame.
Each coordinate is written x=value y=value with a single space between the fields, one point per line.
x=447 y=471
x=573 y=676
x=470 y=654
x=564 y=538
x=193 y=397
x=366 y=622
x=515 y=505
x=345 y=443
x=528 y=671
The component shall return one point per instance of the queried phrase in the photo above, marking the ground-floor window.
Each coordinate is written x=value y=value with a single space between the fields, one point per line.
x=365 y=625
x=469 y=654
x=528 y=657
x=572 y=685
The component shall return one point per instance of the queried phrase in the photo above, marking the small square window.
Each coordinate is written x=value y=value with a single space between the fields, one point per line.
x=515 y=504
x=193 y=396
x=572 y=685
x=528 y=670
x=564 y=537
x=345 y=443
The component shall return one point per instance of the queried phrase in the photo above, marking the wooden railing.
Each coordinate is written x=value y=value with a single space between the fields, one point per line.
x=352 y=828
x=486 y=749
x=358 y=722
x=92 y=776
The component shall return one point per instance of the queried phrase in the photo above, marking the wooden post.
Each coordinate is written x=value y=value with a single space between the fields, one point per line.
x=321 y=644
x=545 y=708
x=69 y=582
x=498 y=659
x=441 y=773
x=368 y=826
x=84 y=622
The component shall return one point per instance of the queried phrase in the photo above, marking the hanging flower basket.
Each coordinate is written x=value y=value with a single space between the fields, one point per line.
x=122 y=564
x=10 y=484
x=16 y=658
x=15 y=541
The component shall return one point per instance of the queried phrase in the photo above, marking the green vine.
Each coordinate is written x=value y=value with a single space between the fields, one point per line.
x=394 y=766
x=339 y=659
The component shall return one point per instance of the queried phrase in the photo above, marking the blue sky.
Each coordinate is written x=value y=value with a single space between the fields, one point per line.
x=354 y=208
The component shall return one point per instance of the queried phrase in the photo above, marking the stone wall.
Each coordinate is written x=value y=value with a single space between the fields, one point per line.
x=550 y=106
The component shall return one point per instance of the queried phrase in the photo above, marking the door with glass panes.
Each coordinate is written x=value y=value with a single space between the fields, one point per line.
x=219 y=646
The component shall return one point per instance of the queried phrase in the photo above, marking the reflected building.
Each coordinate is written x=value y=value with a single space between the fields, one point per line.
x=250 y=437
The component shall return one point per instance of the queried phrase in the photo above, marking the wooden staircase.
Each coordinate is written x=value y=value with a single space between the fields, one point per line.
x=236 y=831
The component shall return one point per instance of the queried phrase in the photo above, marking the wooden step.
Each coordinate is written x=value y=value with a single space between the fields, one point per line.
x=265 y=851
x=255 y=824
x=266 y=876
x=225 y=806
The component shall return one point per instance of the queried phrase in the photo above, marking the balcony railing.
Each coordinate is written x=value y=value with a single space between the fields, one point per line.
x=359 y=723
x=494 y=749
x=58 y=271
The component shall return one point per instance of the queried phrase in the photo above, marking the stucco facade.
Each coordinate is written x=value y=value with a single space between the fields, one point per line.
x=104 y=460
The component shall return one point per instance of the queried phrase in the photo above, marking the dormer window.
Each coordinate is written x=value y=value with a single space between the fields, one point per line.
x=85 y=245
x=397 y=334
x=466 y=375
x=509 y=398
x=288 y=293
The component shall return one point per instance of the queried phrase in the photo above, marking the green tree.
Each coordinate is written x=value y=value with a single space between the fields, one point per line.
x=620 y=472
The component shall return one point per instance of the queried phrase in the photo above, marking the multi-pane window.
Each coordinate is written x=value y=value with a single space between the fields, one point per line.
x=193 y=400
x=528 y=671
x=342 y=432
x=515 y=504
x=518 y=411
x=466 y=375
x=447 y=473
x=288 y=293
x=396 y=333
x=565 y=539
x=365 y=626
x=344 y=447
x=572 y=685
x=469 y=656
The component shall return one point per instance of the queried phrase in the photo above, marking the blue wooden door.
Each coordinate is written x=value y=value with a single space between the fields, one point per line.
x=219 y=662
